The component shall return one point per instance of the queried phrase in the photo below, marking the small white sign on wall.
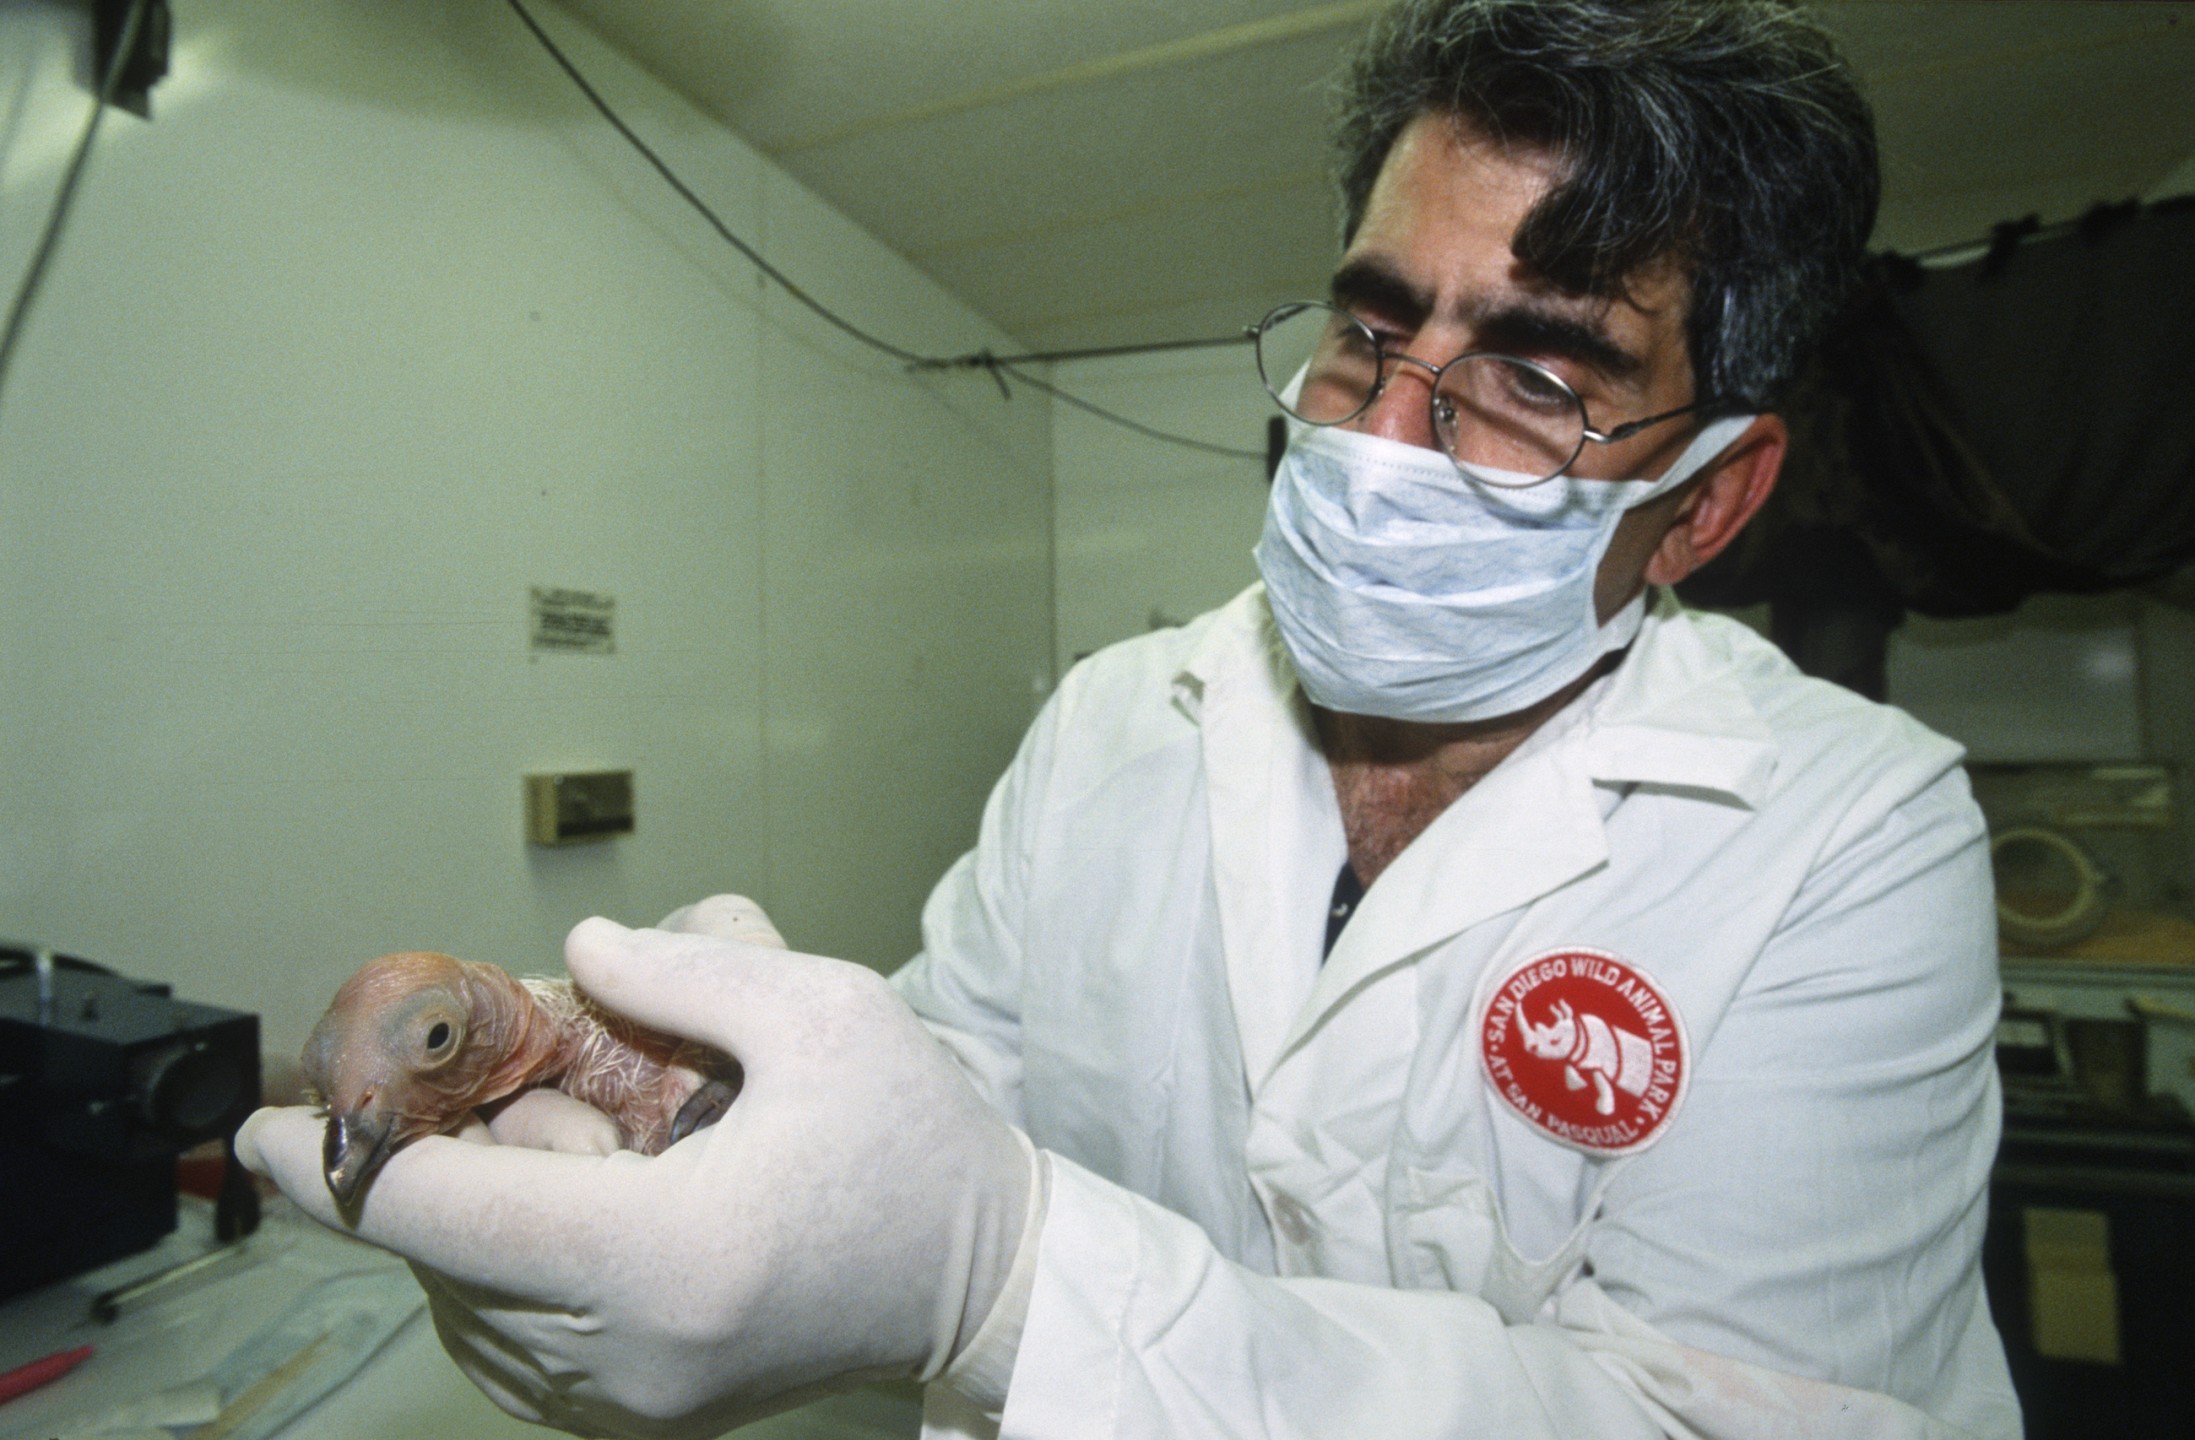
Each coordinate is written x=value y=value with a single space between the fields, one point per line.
x=574 y=622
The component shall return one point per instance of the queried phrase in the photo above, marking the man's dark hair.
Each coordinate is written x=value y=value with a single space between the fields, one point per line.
x=1726 y=134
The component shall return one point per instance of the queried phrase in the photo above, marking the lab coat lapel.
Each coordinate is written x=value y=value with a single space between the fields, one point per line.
x=1529 y=827
x=1673 y=714
x=1270 y=797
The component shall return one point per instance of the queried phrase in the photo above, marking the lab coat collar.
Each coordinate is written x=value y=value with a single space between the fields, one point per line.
x=1676 y=715
x=1672 y=715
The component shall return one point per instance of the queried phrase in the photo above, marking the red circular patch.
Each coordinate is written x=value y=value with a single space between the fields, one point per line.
x=1587 y=1048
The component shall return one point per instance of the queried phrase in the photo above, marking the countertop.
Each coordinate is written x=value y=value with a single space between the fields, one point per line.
x=409 y=1389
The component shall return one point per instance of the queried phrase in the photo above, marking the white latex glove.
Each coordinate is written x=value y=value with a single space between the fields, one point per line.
x=546 y=1119
x=728 y=917
x=853 y=1215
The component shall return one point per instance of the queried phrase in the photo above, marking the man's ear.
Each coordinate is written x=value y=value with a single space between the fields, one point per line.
x=1717 y=505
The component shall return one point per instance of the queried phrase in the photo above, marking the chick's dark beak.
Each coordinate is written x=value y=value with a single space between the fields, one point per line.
x=357 y=1143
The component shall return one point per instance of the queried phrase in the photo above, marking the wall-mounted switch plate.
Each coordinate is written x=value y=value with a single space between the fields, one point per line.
x=570 y=807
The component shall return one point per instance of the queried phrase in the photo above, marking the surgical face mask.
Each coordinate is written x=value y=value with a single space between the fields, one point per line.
x=1406 y=587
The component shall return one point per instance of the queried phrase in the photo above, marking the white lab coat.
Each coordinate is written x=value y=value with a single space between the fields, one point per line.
x=1284 y=1201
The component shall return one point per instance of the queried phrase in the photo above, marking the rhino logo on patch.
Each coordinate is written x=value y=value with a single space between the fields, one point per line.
x=1591 y=1050
x=1586 y=1047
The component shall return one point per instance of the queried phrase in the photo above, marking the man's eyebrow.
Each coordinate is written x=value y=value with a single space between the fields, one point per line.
x=1538 y=330
x=1368 y=285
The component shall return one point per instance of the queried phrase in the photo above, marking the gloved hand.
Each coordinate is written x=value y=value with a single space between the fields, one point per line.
x=546 y=1119
x=853 y=1215
x=728 y=917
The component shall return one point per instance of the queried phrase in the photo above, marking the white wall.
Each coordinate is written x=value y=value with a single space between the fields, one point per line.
x=1151 y=534
x=374 y=326
x=2059 y=679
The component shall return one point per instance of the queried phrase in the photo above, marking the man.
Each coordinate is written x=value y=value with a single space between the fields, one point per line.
x=1449 y=990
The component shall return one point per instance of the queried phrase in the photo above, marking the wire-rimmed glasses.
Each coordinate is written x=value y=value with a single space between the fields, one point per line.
x=1508 y=421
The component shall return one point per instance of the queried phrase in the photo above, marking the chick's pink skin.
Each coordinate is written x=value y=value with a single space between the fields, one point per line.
x=640 y=1078
x=413 y=1042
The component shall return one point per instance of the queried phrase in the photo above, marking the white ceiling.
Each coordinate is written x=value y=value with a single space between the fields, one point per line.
x=1093 y=172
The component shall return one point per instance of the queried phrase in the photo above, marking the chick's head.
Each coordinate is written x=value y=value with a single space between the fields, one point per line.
x=391 y=1061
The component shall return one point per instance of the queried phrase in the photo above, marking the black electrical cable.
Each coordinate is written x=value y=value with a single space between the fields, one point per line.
x=35 y=274
x=1005 y=368
x=983 y=359
x=754 y=257
x=670 y=177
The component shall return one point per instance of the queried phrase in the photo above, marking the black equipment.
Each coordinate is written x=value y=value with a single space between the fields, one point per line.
x=104 y=1082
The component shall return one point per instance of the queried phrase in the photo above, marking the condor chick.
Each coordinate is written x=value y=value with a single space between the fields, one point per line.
x=416 y=1041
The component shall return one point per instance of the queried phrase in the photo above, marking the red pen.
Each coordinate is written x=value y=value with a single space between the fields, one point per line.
x=26 y=1378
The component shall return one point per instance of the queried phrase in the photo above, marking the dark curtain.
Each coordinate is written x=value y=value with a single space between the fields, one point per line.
x=1975 y=434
